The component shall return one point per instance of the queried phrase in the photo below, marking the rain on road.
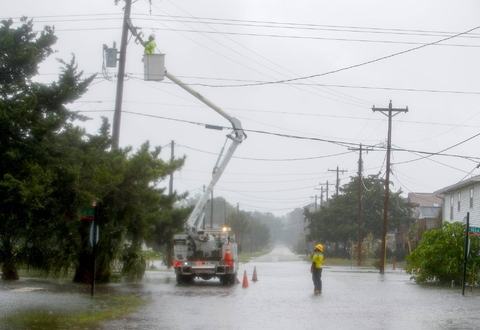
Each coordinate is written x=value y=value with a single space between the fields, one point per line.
x=282 y=298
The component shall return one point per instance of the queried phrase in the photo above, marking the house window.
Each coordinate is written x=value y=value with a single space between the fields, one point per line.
x=451 y=207
x=458 y=201
x=471 y=198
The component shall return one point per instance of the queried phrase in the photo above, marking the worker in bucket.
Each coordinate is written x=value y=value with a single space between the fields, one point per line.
x=316 y=268
x=149 y=45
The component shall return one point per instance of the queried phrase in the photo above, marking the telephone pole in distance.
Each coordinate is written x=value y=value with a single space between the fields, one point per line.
x=337 y=184
x=360 y=212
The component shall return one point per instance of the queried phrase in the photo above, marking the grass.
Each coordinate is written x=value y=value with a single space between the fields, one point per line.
x=110 y=307
x=246 y=257
x=350 y=262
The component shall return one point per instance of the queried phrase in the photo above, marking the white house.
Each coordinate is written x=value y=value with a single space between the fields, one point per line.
x=462 y=198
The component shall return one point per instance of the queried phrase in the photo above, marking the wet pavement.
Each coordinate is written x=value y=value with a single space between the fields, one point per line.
x=282 y=298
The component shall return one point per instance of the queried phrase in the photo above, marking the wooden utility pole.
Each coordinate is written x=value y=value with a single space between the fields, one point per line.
x=326 y=190
x=172 y=158
x=224 y=212
x=170 y=192
x=121 y=76
x=315 y=202
x=321 y=196
x=337 y=184
x=360 y=211
x=211 y=210
x=389 y=112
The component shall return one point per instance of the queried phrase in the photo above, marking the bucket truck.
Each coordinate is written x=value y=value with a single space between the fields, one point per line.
x=206 y=252
x=201 y=252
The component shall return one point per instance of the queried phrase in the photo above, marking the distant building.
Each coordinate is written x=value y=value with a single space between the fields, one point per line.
x=426 y=214
x=427 y=211
x=462 y=198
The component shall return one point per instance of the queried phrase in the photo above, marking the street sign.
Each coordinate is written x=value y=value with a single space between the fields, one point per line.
x=474 y=231
x=87 y=214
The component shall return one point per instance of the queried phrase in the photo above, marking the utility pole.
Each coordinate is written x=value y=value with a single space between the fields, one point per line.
x=211 y=210
x=360 y=211
x=359 y=248
x=224 y=212
x=172 y=155
x=121 y=76
x=337 y=184
x=170 y=192
x=326 y=191
x=389 y=112
x=321 y=196
x=315 y=201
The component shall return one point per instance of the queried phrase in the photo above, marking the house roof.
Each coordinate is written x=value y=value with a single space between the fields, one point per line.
x=458 y=185
x=428 y=212
x=425 y=199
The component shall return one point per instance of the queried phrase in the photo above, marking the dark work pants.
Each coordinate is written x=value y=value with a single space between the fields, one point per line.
x=317 y=279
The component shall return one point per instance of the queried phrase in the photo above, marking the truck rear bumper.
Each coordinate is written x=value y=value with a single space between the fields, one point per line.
x=197 y=271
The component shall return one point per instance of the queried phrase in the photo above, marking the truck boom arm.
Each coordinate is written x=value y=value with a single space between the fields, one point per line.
x=196 y=217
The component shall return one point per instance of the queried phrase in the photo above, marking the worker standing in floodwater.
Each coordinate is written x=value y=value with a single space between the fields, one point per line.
x=316 y=268
x=149 y=45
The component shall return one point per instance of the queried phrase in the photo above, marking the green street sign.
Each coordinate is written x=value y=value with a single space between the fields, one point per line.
x=474 y=230
x=87 y=214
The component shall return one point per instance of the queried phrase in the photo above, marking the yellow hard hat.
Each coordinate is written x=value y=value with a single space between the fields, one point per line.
x=319 y=247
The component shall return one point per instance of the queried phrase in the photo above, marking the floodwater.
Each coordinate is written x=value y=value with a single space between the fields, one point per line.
x=282 y=298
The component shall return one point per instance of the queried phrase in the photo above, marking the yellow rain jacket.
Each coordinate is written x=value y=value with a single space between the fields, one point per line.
x=317 y=259
x=150 y=47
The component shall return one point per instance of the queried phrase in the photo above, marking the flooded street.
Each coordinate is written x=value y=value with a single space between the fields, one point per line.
x=282 y=298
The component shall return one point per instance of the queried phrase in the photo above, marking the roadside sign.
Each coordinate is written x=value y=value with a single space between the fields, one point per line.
x=87 y=214
x=94 y=234
x=474 y=231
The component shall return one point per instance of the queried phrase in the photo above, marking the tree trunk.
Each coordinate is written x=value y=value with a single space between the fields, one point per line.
x=9 y=271
x=83 y=272
x=9 y=268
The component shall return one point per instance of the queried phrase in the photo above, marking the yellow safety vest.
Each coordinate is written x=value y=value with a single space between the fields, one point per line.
x=317 y=259
x=150 y=47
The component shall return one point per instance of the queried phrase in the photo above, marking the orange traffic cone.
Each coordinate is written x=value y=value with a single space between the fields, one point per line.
x=245 y=280
x=254 y=277
x=228 y=255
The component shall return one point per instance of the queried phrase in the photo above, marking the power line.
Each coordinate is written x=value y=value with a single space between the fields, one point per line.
x=254 y=23
x=335 y=94
x=359 y=64
x=331 y=92
x=341 y=143
x=283 y=113
x=336 y=86
x=309 y=26
x=416 y=90
x=273 y=159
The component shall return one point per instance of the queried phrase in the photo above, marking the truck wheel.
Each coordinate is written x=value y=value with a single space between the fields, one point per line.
x=233 y=278
x=179 y=279
x=225 y=279
x=184 y=279
x=228 y=279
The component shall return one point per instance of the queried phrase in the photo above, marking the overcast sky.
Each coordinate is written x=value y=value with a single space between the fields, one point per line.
x=301 y=76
